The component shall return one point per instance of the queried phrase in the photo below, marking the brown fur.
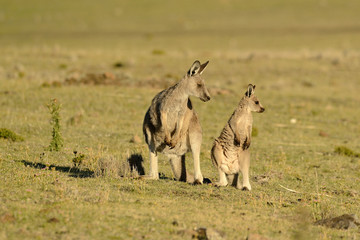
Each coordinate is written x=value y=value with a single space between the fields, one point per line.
x=171 y=125
x=230 y=153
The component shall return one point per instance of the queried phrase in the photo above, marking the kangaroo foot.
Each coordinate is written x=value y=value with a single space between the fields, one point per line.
x=197 y=182
x=244 y=188
x=149 y=177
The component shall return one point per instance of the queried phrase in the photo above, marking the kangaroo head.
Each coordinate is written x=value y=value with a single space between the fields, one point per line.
x=195 y=83
x=252 y=100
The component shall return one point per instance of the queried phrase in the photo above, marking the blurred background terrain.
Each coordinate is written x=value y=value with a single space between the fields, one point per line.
x=105 y=60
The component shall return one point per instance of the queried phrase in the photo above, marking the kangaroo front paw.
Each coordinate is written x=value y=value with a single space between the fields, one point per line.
x=168 y=141
x=236 y=142
x=173 y=143
x=246 y=144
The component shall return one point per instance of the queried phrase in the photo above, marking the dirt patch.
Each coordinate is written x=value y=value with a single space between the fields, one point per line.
x=106 y=78
x=7 y=217
x=125 y=80
x=158 y=83
x=220 y=91
x=111 y=79
x=345 y=221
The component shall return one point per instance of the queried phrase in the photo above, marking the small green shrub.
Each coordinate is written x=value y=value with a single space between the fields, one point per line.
x=118 y=64
x=10 y=135
x=342 y=150
x=158 y=52
x=63 y=66
x=78 y=159
x=57 y=141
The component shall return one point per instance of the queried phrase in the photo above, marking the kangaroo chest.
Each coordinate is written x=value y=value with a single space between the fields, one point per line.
x=175 y=111
x=244 y=123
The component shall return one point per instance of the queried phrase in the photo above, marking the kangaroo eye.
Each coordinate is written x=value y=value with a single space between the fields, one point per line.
x=199 y=84
x=256 y=102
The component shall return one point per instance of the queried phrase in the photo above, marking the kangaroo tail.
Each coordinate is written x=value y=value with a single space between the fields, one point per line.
x=213 y=159
x=146 y=130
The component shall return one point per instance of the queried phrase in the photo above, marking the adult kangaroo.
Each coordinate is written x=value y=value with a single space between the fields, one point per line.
x=171 y=126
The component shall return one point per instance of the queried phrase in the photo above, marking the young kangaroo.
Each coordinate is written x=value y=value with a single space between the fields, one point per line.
x=230 y=152
x=172 y=127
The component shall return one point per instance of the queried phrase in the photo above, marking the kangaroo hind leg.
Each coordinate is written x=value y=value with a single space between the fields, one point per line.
x=218 y=159
x=244 y=168
x=179 y=169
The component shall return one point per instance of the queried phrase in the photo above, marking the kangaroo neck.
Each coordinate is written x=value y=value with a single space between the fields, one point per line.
x=180 y=91
x=242 y=107
x=242 y=111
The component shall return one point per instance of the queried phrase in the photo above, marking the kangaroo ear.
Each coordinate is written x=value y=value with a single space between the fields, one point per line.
x=250 y=91
x=194 y=69
x=202 y=67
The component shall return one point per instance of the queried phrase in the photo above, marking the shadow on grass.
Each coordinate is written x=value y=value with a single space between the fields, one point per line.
x=136 y=163
x=73 y=171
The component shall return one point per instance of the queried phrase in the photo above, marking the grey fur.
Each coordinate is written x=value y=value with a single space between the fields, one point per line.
x=230 y=152
x=171 y=126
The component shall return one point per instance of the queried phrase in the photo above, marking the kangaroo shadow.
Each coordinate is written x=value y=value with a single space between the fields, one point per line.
x=136 y=164
x=73 y=171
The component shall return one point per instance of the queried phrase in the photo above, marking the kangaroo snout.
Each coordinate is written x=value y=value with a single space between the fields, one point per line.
x=206 y=98
x=262 y=110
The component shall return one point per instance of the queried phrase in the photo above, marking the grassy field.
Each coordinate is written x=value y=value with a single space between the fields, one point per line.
x=303 y=56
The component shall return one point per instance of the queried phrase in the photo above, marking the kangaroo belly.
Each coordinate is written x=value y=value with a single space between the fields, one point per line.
x=230 y=161
x=180 y=148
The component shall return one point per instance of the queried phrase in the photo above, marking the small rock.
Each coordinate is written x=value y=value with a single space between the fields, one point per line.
x=109 y=75
x=345 y=221
x=208 y=233
x=135 y=139
x=323 y=134
x=7 y=217
x=293 y=120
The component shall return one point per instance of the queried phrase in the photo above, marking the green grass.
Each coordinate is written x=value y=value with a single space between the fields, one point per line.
x=303 y=56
